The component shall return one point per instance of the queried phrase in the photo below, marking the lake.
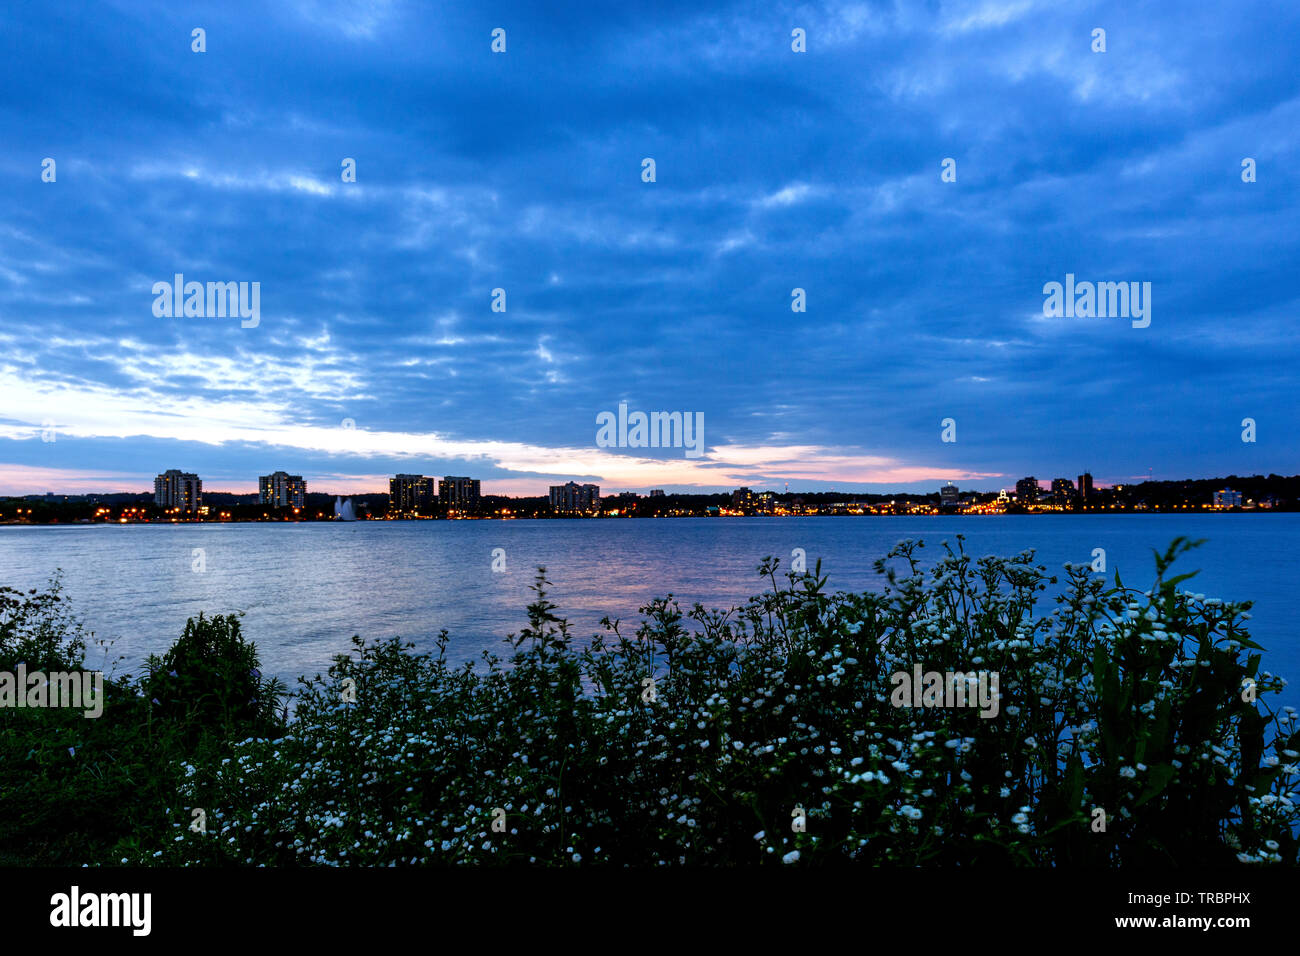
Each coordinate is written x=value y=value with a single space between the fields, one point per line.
x=305 y=589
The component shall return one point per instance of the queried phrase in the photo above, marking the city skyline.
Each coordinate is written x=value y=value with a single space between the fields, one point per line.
x=1046 y=487
x=416 y=492
x=841 y=249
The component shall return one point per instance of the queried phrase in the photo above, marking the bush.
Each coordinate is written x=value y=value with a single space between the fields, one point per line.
x=1127 y=733
x=37 y=629
x=77 y=789
x=209 y=683
x=69 y=783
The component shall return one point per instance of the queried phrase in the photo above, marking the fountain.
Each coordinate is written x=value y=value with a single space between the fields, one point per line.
x=343 y=510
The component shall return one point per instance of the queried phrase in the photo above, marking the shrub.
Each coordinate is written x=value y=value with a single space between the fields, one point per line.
x=701 y=745
x=37 y=629
x=70 y=784
x=77 y=789
x=209 y=683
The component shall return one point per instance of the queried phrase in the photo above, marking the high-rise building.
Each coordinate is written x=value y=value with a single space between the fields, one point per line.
x=1227 y=498
x=179 y=490
x=742 y=498
x=1085 y=486
x=459 y=494
x=573 y=498
x=1062 y=491
x=1027 y=490
x=411 y=495
x=948 y=496
x=281 y=490
x=656 y=492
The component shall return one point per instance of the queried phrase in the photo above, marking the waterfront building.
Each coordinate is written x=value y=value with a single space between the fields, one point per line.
x=281 y=490
x=178 y=490
x=459 y=494
x=573 y=498
x=411 y=495
x=1227 y=498
x=1027 y=490
x=1062 y=492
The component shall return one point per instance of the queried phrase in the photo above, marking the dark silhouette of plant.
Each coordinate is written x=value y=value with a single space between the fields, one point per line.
x=209 y=683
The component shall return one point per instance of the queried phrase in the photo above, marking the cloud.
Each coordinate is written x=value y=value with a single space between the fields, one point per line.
x=776 y=170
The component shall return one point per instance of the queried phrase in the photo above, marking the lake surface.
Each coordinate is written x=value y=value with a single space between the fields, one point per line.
x=306 y=589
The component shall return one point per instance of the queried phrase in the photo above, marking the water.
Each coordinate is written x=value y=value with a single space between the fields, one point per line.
x=307 y=588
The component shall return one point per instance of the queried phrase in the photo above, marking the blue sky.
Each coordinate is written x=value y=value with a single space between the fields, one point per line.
x=775 y=170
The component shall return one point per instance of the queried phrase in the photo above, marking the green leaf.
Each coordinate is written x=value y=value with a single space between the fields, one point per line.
x=1179 y=578
x=1157 y=780
x=1074 y=782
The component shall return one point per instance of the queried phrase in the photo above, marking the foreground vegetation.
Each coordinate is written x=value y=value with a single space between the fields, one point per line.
x=1132 y=729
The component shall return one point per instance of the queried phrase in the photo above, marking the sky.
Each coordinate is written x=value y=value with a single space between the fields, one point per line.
x=377 y=349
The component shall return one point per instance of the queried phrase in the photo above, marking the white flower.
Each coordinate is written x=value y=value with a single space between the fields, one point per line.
x=791 y=857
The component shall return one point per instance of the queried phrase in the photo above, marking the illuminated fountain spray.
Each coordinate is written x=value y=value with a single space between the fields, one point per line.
x=343 y=510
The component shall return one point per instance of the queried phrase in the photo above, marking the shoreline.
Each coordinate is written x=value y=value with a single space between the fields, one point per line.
x=327 y=521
